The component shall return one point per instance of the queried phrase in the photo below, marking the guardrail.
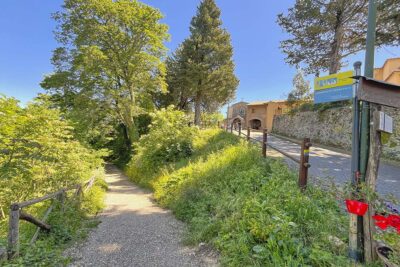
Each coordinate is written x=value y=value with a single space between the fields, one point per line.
x=17 y=214
x=303 y=162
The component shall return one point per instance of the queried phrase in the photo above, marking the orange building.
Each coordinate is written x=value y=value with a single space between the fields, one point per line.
x=390 y=71
x=260 y=114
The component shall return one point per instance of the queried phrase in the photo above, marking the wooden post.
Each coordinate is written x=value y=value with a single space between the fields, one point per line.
x=2 y=215
x=13 y=232
x=3 y=254
x=248 y=133
x=370 y=180
x=240 y=129
x=61 y=199
x=264 y=144
x=304 y=165
x=232 y=128
x=29 y=218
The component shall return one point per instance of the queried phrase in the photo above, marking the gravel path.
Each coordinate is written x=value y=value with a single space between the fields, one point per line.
x=136 y=232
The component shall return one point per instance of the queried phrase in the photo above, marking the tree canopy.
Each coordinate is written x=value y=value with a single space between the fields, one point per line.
x=109 y=64
x=324 y=32
x=301 y=89
x=201 y=72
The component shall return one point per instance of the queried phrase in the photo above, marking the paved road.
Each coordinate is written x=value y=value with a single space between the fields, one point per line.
x=326 y=163
x=136 y=232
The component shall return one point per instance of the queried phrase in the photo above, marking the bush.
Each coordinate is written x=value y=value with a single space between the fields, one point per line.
x=169 y=139
x=39 y=155
x=250 y=208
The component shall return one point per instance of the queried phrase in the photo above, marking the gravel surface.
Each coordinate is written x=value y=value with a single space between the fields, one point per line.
x=134 y=231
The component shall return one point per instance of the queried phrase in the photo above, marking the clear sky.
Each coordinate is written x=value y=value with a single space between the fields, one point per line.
x=27 y=41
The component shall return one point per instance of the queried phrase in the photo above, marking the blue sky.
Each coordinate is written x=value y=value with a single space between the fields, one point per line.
x=27 y=41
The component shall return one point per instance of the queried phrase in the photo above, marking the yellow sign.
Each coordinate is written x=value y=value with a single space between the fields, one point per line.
x=334 y=80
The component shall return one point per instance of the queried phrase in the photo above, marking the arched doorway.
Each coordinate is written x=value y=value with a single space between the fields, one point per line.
x=236 y=123
x=255 y=124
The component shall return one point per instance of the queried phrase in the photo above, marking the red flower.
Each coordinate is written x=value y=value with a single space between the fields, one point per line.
x=394 y=220
x=379 y=218
x=382 y=224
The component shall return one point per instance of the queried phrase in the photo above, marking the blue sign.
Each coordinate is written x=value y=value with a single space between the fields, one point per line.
x=334 y=87
x=333 y=94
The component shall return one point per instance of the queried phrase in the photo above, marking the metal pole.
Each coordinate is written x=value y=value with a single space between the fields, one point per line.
x=356 y=128
x=356 y=222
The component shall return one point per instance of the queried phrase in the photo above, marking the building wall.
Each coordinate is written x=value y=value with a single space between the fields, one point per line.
x=390 y=71
x=237 y=112
x=265 y=113
x=256 y=112
x=394 y=77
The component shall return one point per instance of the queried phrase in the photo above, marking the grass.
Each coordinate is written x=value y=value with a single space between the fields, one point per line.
x=247 y=207
x=70 y=224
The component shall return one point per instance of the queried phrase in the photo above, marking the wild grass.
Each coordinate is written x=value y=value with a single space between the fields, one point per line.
x=68 y=224
x=248 y=207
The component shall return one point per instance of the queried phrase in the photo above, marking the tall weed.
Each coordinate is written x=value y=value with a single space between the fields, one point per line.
x=250 y=208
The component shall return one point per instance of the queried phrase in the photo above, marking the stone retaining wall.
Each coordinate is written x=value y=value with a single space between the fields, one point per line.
x=332 y=127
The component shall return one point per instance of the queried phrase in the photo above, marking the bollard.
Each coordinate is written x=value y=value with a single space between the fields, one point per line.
x=240 y=129
x=248 y=133
x=264 y=144
x=304 y=165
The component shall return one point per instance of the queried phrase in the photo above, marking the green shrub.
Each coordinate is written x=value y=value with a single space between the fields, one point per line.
x=170 y=139
x=250 y=208
x=39 y=155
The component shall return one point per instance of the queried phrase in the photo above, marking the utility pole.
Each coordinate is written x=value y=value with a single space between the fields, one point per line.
x=368 y=72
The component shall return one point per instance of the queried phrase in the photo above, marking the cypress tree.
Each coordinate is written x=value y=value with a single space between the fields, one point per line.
x=207 y=60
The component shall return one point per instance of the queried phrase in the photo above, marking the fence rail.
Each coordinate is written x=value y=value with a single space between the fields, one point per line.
x=16 y=214
x=303 y=162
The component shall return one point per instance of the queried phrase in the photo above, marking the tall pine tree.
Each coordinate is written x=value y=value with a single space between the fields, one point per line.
x=206 y=61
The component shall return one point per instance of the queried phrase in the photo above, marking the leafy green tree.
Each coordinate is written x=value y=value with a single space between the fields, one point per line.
x=301 y=89
x=109 y=65
x=39 y=153
x=205 y=62
x=324 y=32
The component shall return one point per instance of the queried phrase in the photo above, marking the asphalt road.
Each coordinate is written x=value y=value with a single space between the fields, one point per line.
x=327 y=164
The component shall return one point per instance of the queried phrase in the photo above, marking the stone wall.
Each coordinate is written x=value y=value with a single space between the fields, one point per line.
x=332 y=127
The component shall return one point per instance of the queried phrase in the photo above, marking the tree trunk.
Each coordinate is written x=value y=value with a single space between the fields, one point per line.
x=197 y=111
x=197 y=105
x=334 y=65
x=126 y=136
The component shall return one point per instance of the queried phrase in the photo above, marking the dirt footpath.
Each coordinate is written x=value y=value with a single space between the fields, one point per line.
x=134 y=231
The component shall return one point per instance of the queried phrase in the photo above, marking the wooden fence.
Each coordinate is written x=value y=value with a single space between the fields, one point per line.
x=303 y=162
x=17 y=214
